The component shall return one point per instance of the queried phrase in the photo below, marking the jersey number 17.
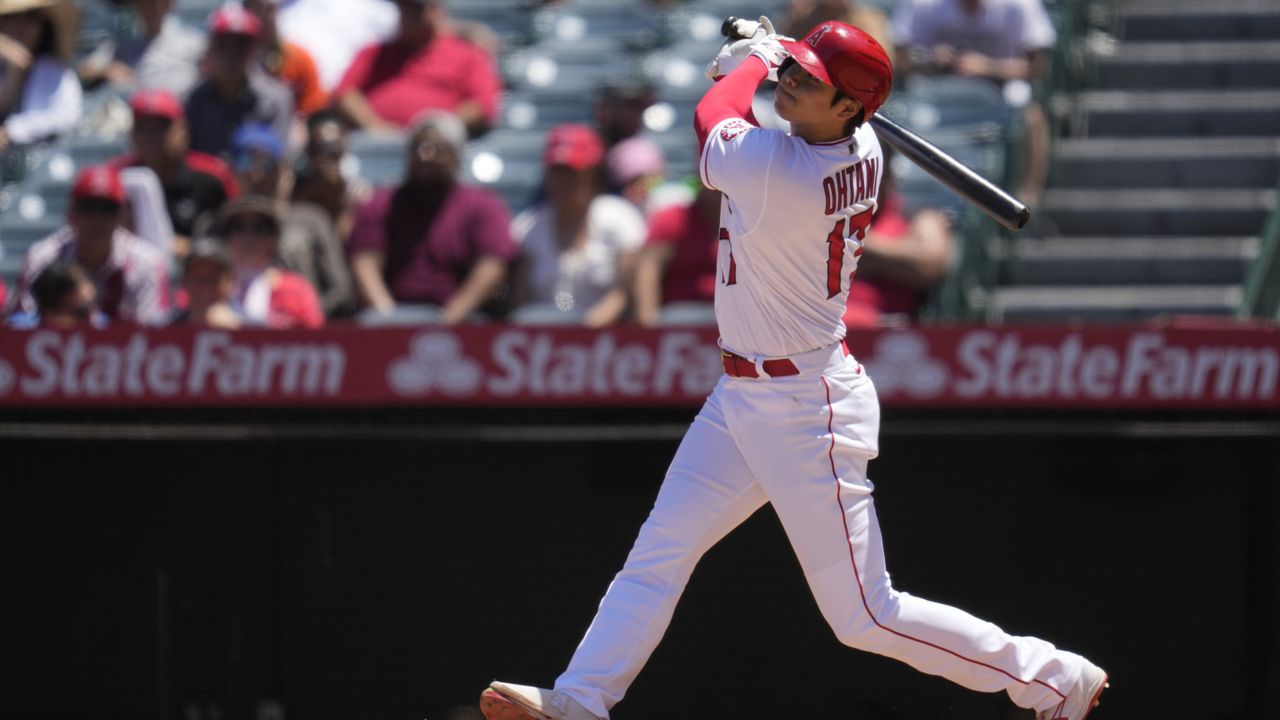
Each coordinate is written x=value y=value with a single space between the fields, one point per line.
x=844 y=228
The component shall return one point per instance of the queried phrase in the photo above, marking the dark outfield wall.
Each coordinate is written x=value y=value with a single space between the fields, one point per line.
x=394 y=578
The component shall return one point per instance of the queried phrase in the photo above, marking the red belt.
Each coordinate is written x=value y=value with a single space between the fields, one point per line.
x=738 y=366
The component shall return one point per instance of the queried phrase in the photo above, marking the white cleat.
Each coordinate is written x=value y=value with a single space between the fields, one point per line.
x=1081 y=699
x=503 y=701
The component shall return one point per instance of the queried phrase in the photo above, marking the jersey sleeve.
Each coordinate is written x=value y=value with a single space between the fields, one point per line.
x=736 y=159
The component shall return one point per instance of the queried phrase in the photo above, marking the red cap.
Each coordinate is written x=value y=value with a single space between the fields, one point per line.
x=234 y=20
x=576 y=146
x=98 y=182
x=847 y=59
x=156 y=103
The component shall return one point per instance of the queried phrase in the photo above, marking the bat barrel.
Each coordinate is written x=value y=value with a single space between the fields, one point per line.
x=985 y=195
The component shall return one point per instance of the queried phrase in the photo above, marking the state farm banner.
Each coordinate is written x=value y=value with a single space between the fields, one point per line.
x=1092 y=367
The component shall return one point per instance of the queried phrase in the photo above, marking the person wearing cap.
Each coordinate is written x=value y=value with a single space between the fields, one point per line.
x=309 y=241
x=209 y=285
x=426 y=66
x=40 y=96
x=195 y=184
x=431 y=241
x=163 y=55
x=264 y=294
x=236 y=91
x=131 y=277
x=636 y=166
x=578 y=245
x=288 y=62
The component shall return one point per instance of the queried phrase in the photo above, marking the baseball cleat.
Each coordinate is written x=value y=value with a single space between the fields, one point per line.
x=504 y=701
x=1081 y=699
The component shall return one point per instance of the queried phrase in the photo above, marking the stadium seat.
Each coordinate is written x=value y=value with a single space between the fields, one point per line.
x=582 y=66
x=512 y=20
x=379 y=157
x=617 y=25
x=543 y=108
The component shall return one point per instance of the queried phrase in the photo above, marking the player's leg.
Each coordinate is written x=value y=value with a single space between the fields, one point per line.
x=817 y=482
x=708 y=491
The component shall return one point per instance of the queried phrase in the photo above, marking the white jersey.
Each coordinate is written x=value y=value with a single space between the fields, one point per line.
x=791 y=229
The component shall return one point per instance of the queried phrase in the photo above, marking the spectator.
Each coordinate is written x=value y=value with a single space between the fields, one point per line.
x=64 y=298
x=235 y=92
x=577 y=246
x=804 y=15
x=147 y=217
x=208 y=284
x=39 y=94
x=130 y=277
x=1003 y=41
x=286 y=61
x=424 y=67
x=432 y=240
x=164 y=56
x=263 y=294
x=309 y=243
x=333 y=31
x=678 y=262
x=320 y=179
x=195 y=184
x=636 y=167
x=620 y=110
x=902 y=258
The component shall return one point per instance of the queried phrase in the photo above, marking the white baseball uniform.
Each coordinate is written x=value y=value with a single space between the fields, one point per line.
x=793 y=221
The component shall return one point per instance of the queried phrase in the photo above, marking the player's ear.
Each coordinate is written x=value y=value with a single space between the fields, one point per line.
x=848 y=108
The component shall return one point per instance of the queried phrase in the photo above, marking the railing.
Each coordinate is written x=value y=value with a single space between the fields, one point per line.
x=1261 y=297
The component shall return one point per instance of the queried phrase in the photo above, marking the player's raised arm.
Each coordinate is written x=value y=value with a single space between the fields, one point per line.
x=737 y=76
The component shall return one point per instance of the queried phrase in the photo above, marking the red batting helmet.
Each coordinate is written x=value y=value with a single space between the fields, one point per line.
x=847 y=59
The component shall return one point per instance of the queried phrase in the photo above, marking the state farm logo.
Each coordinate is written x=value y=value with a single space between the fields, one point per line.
x=902 y=364
x=435 y=362
x=7 y=377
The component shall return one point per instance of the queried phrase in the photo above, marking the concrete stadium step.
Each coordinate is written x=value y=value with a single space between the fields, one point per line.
x=1250 y=162
x=1130 y=260
x=1217 y=64
x=1147 y=212
x=1111 y=304
x=1174 y=113
x=1198 y=19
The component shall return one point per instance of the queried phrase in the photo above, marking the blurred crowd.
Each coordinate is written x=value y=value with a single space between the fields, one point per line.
x=236 y=204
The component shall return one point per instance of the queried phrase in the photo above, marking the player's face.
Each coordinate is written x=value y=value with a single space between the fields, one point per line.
x=802 y=98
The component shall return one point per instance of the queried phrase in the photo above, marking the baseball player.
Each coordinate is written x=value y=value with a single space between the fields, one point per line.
x=794 y=419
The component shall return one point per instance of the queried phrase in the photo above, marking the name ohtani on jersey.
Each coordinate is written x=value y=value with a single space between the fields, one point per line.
x=793 y=220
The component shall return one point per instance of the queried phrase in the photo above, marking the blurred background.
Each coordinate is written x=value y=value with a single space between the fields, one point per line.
x=465 y=422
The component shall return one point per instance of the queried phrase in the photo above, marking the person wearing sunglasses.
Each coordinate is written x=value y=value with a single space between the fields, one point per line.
x=129 y=275
x=264 y=294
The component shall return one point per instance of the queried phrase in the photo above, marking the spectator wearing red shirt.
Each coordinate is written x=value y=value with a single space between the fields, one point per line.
x=264 y=295
x=678 y=262
x=195 y=185
x=902 y=257
x=130 y=277
x=432 y=240
x=424 y=67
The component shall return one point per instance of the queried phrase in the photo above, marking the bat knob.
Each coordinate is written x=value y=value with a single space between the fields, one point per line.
x=727 y=28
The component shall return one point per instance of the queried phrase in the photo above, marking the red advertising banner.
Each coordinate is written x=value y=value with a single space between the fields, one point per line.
x=1086 y=367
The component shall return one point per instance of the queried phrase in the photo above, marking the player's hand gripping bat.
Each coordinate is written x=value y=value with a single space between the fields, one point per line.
x=1002 y=207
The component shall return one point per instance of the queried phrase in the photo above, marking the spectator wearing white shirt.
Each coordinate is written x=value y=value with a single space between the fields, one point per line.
x=165 y=55
x=39 y=93
x=1005 y=41
x=578 y=247
x=333 y=31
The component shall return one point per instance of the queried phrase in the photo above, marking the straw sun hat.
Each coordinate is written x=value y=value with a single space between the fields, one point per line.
x=61 y=13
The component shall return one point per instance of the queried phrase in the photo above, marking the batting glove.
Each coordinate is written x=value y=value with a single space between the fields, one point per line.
x=763 y=43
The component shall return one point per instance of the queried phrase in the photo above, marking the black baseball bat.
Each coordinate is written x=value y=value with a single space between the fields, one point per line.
x=985 y=195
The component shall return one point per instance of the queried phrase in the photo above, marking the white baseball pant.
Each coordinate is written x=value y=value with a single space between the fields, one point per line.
x=802 y=443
